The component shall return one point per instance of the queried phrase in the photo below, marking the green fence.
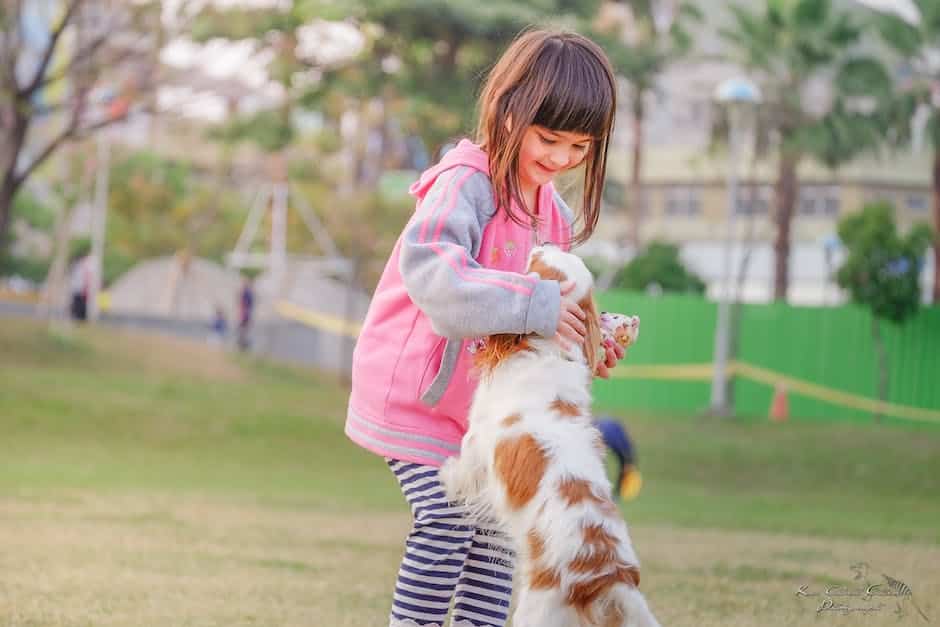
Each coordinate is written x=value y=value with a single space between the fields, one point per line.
x=675 y=330
x=830 y=348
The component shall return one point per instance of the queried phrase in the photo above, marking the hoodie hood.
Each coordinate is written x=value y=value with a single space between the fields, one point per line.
x=465 y=153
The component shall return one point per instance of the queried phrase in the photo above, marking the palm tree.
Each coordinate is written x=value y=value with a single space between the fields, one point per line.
x=642 y=38
x=786 y=45
x=918 y=43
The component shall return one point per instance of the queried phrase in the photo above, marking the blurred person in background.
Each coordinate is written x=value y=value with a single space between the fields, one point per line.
x=219 y=326
x=246 y=305
x=80 y=287
x=628 y=481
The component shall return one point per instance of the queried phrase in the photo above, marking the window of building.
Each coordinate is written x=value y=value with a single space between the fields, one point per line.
x=819 y=200
x=753 y=200
x=617 y=196
x=613 y=196
x=917 y=202
x=874 y=195
x=683 y=200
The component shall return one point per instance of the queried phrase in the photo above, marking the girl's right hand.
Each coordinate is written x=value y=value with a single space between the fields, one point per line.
x=570 y=322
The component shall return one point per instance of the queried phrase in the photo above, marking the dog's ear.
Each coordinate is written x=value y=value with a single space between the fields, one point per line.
x=497 y=348
x=593 y=340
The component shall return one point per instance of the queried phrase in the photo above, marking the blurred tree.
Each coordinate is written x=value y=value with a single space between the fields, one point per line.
x=276 y=29
x=29 y=209
x=918 y=96
x=70 y=68
x=429 y=58
x=416 y=75
x=659 y=265
x=159 y=207
x=423 y=61
x=881 y=271
x=642 y=38
x=789 y=46
x=37 y=216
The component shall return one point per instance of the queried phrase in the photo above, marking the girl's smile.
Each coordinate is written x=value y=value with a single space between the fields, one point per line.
x=546 y=153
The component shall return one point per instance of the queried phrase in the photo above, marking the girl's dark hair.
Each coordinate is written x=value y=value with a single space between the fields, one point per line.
x=559 y=80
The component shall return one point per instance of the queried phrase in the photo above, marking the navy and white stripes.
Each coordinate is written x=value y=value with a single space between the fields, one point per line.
x=448 y=557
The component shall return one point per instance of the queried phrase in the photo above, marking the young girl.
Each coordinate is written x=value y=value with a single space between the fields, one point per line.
x=458 y=273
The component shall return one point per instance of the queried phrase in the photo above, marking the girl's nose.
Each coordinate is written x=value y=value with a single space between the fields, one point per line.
x=559 y=158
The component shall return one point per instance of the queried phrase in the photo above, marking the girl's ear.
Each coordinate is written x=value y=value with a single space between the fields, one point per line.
x=508 y=123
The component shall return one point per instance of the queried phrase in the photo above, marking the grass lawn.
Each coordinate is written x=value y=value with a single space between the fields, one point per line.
x=150 y=481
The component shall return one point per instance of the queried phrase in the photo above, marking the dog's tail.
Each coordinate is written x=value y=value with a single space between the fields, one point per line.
x=623 y=606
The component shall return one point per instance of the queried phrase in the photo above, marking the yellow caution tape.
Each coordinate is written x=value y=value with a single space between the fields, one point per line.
x=673 y=372
x=703 y=372
x=318 y=320
x=830 y=395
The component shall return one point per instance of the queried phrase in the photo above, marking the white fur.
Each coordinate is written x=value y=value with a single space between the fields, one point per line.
x=526 y=383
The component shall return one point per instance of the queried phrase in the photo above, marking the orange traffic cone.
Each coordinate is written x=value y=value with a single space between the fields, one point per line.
x=780 y=406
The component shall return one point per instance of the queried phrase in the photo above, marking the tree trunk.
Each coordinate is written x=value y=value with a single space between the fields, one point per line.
x=54 y=296
x=636 y=185
x=785 y=192
x=936 y=226
x=9 y=156
x=882 y=363
x=7 y=192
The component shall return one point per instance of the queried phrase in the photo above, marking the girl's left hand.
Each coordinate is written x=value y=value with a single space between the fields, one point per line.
x=614 y=353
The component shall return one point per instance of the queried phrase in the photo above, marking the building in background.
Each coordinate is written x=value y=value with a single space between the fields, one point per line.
x=685 y=199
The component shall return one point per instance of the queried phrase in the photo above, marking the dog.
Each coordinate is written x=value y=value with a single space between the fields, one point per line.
x=532 y=460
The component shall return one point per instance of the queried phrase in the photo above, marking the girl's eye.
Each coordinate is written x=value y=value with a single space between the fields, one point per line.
x=548 y=141
x=581 y=147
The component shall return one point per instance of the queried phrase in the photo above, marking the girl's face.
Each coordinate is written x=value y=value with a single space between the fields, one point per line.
x=545 y=154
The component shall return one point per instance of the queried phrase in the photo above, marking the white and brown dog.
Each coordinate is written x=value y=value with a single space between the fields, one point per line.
x=532 y=460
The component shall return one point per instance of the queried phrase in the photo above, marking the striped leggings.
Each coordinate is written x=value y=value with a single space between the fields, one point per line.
x=448 y=557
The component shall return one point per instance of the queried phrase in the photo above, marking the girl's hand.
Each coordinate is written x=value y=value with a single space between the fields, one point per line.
x=614 y=353
x=570 y=326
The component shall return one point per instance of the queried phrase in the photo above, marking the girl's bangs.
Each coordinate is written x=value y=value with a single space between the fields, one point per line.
x=578 y=96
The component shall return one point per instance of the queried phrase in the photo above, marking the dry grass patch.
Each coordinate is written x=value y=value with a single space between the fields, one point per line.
x=109 y=561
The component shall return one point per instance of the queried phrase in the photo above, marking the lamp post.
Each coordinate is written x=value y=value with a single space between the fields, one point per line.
x=740 y=96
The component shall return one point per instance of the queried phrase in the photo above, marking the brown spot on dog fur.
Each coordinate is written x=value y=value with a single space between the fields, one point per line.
x=598 y=557
x=540 y=577
x=548 y=273
x=598 y=539
x=575 y=491
x=536 y=545
x=520 y=463
x=498 y=348
x=633 y=574
x=544 y=579
x=584 y=594
x=565 y=408
x=511 y=420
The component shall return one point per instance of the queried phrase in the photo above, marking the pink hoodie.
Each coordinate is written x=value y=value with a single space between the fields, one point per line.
x=455 y=274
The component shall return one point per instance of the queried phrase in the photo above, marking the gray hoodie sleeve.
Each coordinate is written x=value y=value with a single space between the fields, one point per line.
x=438 y=266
